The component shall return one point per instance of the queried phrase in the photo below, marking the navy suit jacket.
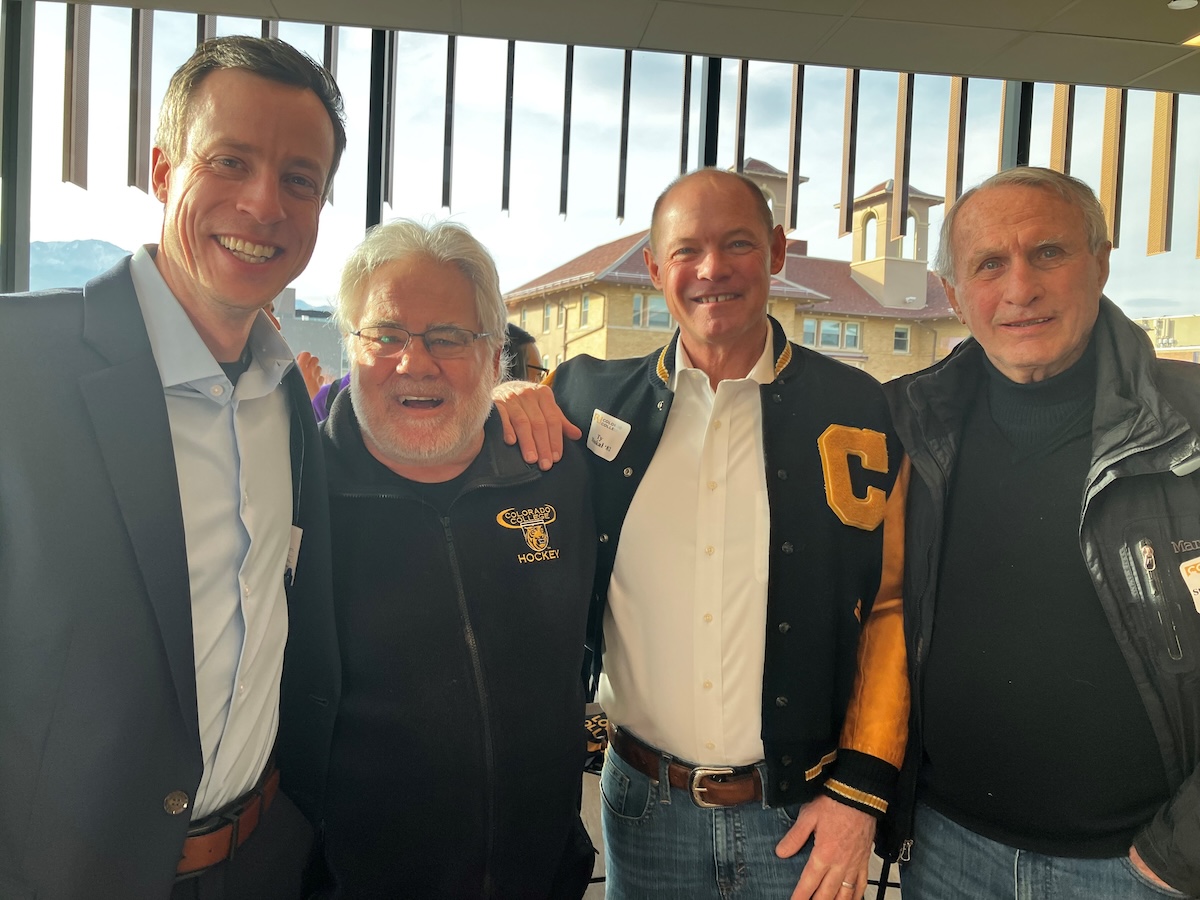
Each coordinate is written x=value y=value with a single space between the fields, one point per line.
x=98 y=719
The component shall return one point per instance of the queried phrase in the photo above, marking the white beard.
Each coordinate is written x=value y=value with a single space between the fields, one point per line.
x=434 y=442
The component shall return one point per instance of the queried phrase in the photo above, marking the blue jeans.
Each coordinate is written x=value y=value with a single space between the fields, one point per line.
x=951 y=862
x=658 y=844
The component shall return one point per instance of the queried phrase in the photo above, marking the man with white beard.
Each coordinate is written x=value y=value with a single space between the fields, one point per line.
x=461 y=584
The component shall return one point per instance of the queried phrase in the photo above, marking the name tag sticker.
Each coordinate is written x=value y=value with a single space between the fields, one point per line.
x=1190 y=570
x=289 y=572
x=607 y=435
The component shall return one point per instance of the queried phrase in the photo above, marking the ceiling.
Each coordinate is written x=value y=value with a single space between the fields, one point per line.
x=1122 y=43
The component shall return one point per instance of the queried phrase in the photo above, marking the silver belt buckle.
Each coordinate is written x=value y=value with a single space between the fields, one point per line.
x=694 y=784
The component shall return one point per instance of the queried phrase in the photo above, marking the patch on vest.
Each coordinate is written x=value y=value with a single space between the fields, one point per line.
x=532 y=524
x=837 y=444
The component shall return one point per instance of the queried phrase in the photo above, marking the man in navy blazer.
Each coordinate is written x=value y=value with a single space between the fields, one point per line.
x=167 y=646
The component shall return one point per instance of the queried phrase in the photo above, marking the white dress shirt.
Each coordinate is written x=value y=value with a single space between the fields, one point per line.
x=687 y=604
x=233 y=461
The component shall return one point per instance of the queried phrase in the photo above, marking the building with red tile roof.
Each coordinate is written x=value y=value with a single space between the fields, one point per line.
x=883 y=313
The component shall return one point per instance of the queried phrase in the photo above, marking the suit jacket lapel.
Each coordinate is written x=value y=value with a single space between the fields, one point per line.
x=129 y=414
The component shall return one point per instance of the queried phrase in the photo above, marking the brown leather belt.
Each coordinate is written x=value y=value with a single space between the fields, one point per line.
x=221 y=833
x=709 y=786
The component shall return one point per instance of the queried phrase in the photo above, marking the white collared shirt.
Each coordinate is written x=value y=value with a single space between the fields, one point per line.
x=687 y=604
x=233 y=462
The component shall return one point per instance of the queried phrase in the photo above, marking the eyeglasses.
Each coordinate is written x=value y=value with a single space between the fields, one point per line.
x=443 y=342
x=537 y=373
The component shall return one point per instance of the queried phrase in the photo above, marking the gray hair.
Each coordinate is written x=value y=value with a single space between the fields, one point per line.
x=268 y=58
x=1070 y=189
x=442 y=242
x=759 y=195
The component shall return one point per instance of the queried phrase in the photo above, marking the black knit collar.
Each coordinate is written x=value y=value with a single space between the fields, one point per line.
x=1079 y=381
x=1038 y=415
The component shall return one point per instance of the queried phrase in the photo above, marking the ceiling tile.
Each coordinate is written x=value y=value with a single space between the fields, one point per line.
x=1148 y=20
x=611 y=23
x=1025 y=15
x=901 y=46
x=726 y=31
x=1083 y=60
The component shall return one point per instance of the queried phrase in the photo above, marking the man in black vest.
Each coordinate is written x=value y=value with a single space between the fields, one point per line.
x=461 y=579
x=1053 y=573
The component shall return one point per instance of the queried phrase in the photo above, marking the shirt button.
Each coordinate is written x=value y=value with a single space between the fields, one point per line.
x=604 y=538
x=176 y=802
x=710 y=550
x=241 y=688
x=776 y=398
x=627 y=472
x=717 y=425
x=781 y=702
x=787 y=547
x=708 y=617
x=784 y=627
x=710 y=745
x=782 y=474
x=661 y=404
x=707 y=685
x=712 y=485
x=217 y=390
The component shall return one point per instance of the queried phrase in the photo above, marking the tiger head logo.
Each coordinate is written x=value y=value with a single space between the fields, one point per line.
x=531 y=522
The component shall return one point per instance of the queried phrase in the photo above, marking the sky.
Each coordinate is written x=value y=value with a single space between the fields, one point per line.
x=532 y=238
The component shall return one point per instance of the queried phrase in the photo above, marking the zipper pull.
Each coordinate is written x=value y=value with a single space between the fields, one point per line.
x=906 y=851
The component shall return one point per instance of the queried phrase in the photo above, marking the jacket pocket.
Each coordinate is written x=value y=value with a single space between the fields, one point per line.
x=1155 y=566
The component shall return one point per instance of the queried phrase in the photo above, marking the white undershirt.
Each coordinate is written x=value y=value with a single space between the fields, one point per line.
x=233 y=462
x=687 y=603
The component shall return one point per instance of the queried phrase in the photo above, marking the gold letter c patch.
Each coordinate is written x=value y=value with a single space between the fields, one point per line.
x=837 y=443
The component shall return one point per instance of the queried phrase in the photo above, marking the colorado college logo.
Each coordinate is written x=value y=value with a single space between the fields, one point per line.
x=532 y=524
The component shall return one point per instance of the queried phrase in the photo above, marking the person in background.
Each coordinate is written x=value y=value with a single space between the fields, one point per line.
x=309 y=365
x=168 y=702
x=1053 y=568
x=522 y=355
x=461 y=582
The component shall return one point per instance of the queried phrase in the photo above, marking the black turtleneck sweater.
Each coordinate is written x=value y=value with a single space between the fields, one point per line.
x=1033 y=729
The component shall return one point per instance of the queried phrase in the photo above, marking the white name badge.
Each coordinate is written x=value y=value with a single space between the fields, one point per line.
x=607 y=435
x=1190 y=570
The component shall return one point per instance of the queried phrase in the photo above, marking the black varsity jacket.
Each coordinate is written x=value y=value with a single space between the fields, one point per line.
x=834 y=693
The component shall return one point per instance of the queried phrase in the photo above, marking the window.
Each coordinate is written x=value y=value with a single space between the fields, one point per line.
x=870 y=237
x=557 y=359
x=546 y=318
x=831 y=334
x=900 y=339
x=562 y=314
x=651 y=312
x=583 y=311
x=850 y=336
x=524 y=318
